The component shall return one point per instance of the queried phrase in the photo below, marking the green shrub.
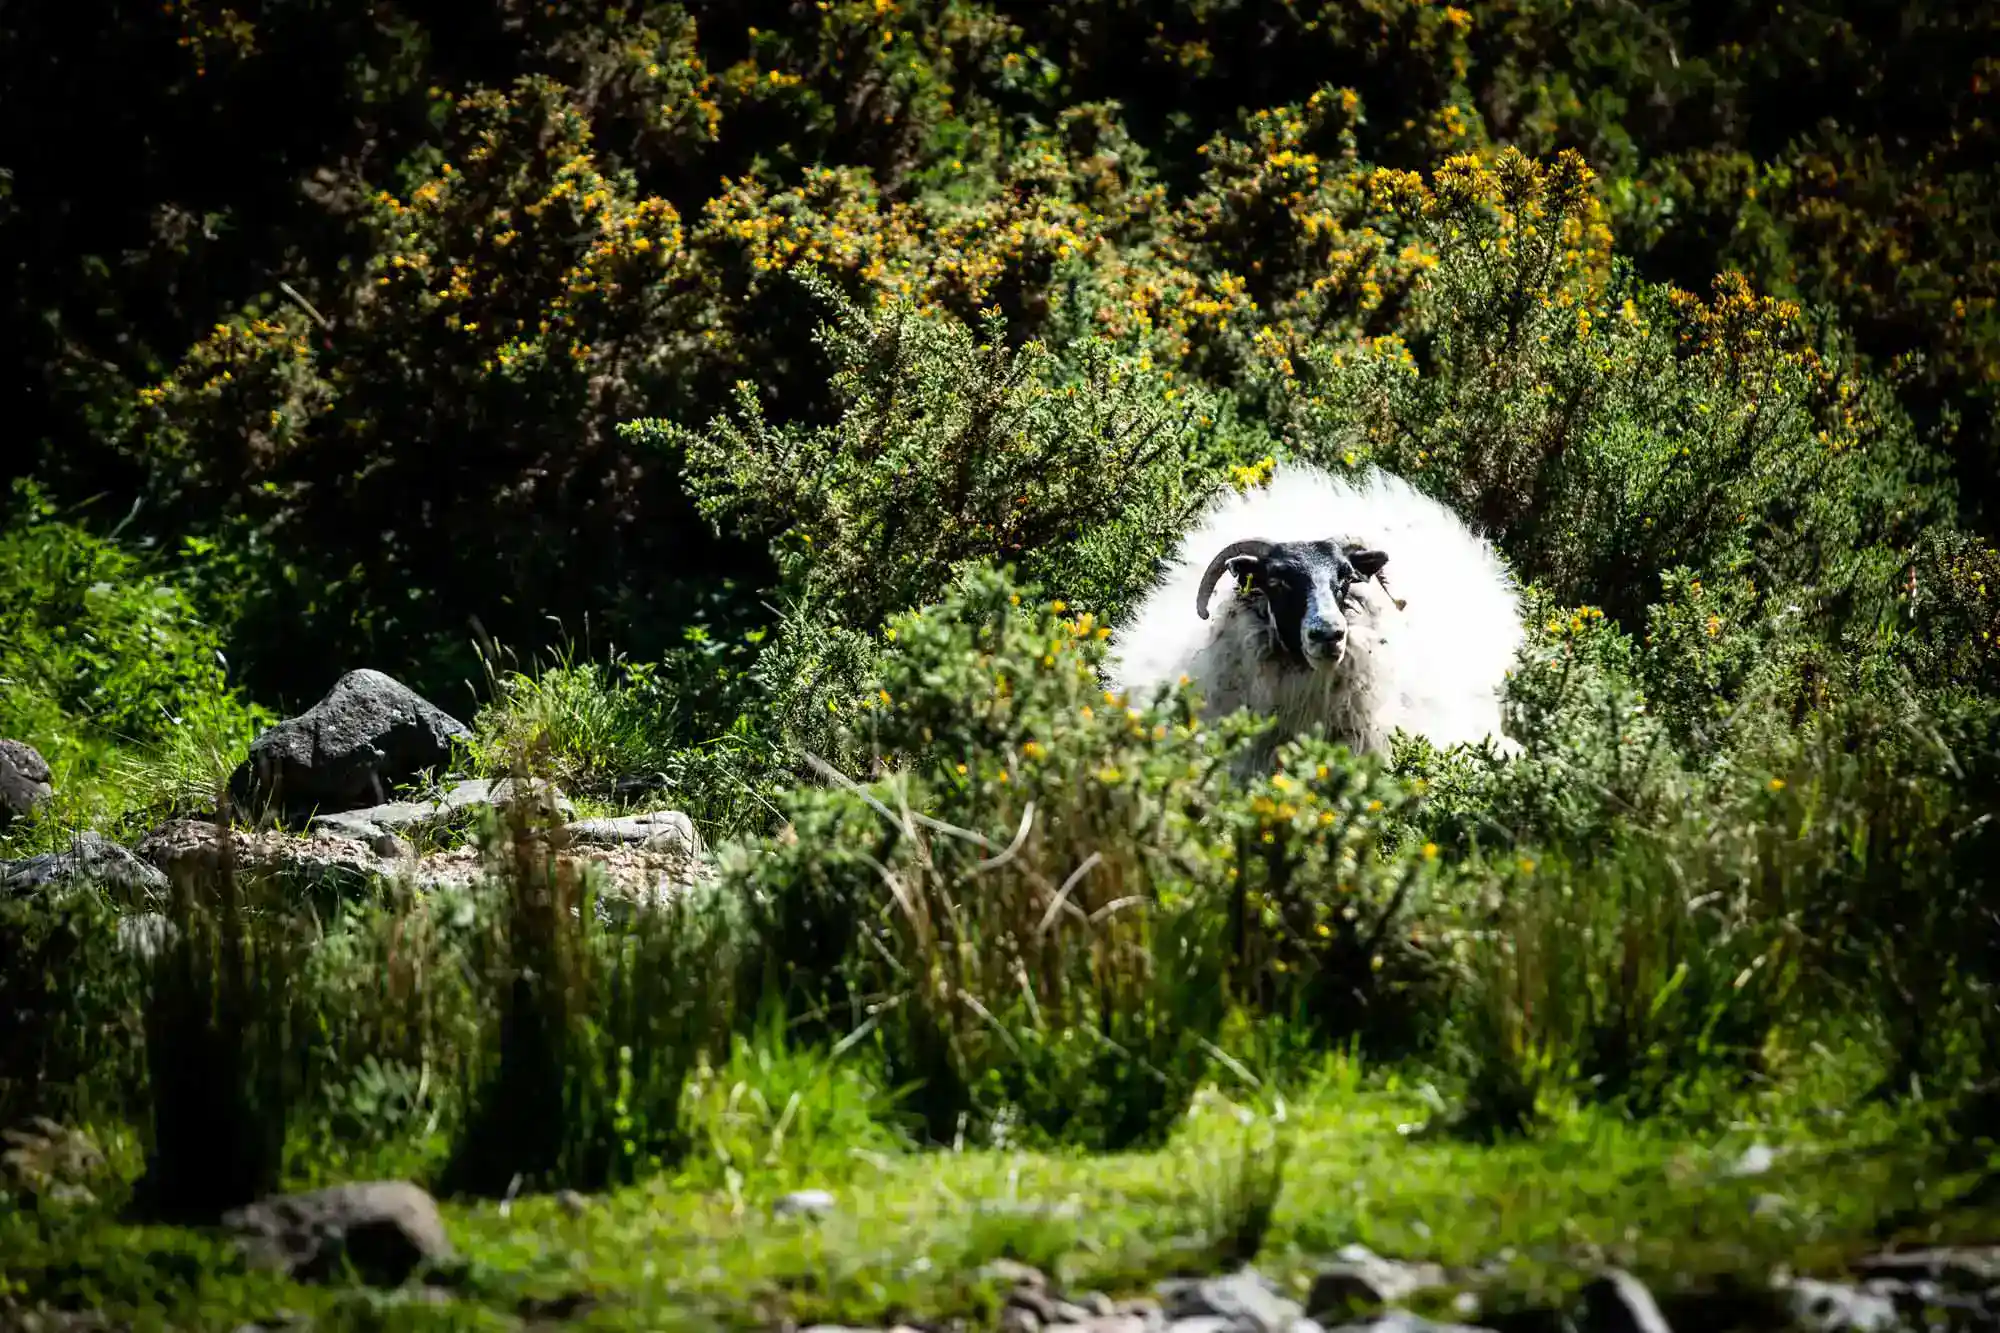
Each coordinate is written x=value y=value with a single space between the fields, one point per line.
x=107 y=669
x=1049 y=899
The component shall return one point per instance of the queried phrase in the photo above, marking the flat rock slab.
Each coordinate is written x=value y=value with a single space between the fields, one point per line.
x=456 y=807
x=384 y=1229
x=89 y=859
x=369 y=735
x=317 y=862
x=660 y=830
x=325 y=861
x=24 y=781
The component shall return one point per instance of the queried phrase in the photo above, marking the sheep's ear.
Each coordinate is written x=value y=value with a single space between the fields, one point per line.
x=1367 y=563
x=1243 y=566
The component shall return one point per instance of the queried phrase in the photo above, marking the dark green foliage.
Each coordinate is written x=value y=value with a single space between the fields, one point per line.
x=222 y=1011
x=70 y=1039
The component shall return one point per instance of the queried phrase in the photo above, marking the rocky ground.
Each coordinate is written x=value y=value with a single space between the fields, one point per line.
x=313 y=807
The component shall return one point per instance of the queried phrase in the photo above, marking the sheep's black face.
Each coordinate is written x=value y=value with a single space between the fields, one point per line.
x=1303 y=591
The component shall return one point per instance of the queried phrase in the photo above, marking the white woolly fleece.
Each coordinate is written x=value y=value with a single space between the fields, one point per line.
x=1434 y=669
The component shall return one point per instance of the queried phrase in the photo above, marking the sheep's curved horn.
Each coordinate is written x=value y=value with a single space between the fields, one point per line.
x=1207 y=590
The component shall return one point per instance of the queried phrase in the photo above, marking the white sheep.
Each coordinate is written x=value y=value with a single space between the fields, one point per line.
x=1312 y=636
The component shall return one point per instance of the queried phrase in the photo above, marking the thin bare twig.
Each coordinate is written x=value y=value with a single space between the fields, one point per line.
x=1014 y=847
x=1061 y=899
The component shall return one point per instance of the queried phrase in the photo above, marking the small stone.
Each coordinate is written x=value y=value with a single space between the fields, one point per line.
x=1020 y=1318
x=45 y=1160
x=540 y=795
x=361 y=825
x=572 y=1202
x=804 y=1203
x=384 y=1229
x=24 y=781
x=391 y=848
x=1402 y=1321
x=1617 y=1302
x=1015 y=1274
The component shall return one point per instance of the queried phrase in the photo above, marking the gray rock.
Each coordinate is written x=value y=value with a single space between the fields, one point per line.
x=384 y=1229
x=453 y=809
x=1833 y=1307
x=573 y=1203
x=368 y=735
x=89 y=859
x=1959 y=1267
x=24 y=781
x=1245 y=1301
x=1014 y=1274
x=1359 y=1280
x=50 y=1162
x=656 y=830
x=1617 y=1302
x=804 y=1203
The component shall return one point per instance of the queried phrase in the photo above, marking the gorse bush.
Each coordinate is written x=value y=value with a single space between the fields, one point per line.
x=852 y=367
x=1606 y=431
x=954 y=447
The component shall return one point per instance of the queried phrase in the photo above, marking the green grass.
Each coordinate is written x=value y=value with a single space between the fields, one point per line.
x=700 y=1247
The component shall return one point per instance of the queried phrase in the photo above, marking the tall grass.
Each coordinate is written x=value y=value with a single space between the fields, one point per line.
x=1846 y=885
x=1053 y=973
x=222 y=1028
x=595 y=1020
